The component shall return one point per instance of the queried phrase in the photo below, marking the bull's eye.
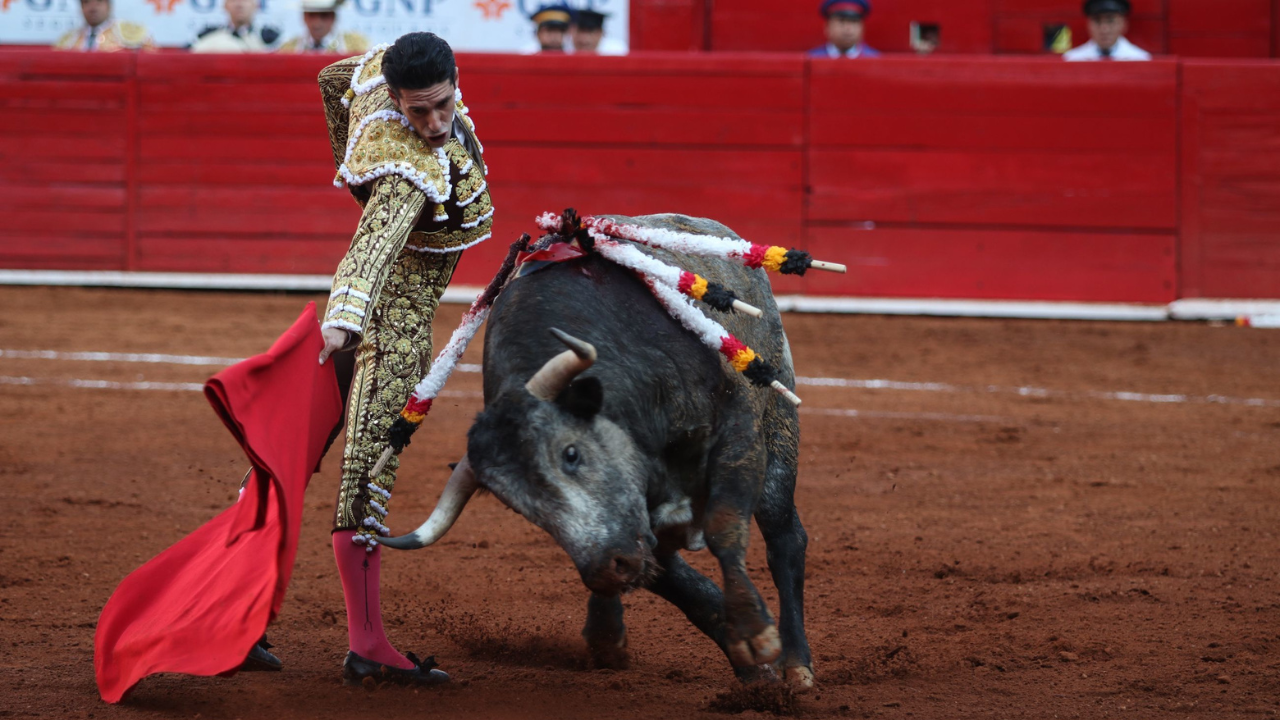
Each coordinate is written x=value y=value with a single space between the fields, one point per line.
x=571 y=457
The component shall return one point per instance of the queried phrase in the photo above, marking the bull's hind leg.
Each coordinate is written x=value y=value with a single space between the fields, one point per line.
x=605 y=632
x=786 y=541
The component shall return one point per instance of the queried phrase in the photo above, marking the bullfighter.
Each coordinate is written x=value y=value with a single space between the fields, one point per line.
x=406 y=149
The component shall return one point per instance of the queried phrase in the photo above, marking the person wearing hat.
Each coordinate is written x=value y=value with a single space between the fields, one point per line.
x=588 y=35
x=1108 y=21
x=320 y=16
x=239 y=34
x=844 y=30
x=552 y=27
x=103 y=33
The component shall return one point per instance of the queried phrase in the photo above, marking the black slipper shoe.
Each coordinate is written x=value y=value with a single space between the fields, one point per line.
x=355 y=669
x=260 y=659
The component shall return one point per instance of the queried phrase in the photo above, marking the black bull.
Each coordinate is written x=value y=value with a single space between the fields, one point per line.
x=658 y=447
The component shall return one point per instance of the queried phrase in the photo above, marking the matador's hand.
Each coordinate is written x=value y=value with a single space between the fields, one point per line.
x=334 y=340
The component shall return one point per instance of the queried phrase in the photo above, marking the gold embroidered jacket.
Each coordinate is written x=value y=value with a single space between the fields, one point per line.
x=415 y=197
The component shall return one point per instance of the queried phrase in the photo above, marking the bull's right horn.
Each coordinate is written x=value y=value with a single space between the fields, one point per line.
x=560 y=370
x=461 y=486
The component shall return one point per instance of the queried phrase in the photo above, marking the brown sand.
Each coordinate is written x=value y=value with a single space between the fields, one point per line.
x=1061 y=556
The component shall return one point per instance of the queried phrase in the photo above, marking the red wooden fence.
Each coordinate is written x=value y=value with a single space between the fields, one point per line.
x=960 y=177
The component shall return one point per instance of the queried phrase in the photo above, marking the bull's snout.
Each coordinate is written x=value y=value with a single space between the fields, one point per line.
x=617 y=570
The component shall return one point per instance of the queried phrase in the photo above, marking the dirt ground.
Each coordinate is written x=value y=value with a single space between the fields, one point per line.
x=994 y=536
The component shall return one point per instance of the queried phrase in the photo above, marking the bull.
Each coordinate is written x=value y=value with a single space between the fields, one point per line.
x=638 y=442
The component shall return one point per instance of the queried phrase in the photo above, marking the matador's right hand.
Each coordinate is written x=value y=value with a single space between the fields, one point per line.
x=335 y=339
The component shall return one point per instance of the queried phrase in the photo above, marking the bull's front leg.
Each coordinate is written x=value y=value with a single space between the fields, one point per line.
x=751 y=636
x=605 y=632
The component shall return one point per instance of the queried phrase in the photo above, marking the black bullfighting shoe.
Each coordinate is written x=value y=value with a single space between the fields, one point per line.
x=355 y=669
x=261 y=659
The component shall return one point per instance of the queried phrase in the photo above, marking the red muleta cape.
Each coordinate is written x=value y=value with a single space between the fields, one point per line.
x=199 y=607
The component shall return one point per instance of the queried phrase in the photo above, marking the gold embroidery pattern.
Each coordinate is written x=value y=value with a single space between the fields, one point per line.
x=392 y=357
x=387 y=221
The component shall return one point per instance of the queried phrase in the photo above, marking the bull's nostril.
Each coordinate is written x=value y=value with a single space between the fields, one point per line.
x=626 y=567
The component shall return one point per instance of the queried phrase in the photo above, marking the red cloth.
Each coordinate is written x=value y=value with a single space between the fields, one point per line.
x=199 y=607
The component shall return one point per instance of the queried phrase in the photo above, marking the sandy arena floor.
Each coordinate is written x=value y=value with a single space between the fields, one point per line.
x=1036 y=520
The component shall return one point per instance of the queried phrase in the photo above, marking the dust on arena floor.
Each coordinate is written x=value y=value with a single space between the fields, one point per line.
x=1034 y=519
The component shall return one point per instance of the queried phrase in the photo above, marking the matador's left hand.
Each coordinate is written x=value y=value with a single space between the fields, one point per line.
x=334 y=340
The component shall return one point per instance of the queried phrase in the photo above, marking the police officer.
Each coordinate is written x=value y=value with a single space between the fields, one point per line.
x=1108 y=22
x=844 y=30
x=103 y=33
x=589 y=37
x=320 y=16
x=239 y=34
x=553 y=26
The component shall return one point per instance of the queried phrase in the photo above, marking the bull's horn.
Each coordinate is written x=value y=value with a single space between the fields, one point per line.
x=461 y=486
x=560 y=370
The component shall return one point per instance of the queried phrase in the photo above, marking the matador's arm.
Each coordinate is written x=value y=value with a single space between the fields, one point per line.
x=389 y=217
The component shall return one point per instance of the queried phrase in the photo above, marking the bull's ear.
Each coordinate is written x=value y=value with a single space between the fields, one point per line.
x=583 y=398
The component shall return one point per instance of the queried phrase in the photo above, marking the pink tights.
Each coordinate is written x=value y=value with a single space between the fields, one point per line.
x=361 y=573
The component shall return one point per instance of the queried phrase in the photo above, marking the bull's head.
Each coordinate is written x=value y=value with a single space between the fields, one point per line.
x=548 y=453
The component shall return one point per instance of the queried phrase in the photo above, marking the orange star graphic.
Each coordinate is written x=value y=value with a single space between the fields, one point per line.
x=164 y=6
x=492 y=9
x=4 y=4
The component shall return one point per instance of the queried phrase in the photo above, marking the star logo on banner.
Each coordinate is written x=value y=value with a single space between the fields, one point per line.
x=164 y=7
x=4 y=4
x=492 y=9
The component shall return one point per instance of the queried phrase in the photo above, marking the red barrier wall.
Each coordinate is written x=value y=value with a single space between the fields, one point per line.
x=959 y=177
x=1190 y=28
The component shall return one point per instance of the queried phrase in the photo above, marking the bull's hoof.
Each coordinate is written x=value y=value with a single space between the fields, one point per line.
x=762 y=649
x=800 y=678
x=754 y=674
x=611 y=656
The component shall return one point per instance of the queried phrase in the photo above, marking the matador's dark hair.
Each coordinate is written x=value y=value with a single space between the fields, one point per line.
x=417 y=61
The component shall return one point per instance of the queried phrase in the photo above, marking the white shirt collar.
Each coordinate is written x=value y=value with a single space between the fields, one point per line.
x=833 y=51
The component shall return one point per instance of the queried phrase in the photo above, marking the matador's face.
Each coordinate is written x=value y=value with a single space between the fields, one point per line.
x=430 y=111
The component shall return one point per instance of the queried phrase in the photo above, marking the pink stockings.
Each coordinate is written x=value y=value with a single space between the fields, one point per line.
x=361 y=573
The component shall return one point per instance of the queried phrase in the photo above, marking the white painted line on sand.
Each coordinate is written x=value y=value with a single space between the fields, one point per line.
x=79 y=383
x=165 y=386
x=862 y=384
x=158 y=358
x=882 y=415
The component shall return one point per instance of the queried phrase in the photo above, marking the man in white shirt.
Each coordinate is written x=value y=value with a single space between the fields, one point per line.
x=1108 y=22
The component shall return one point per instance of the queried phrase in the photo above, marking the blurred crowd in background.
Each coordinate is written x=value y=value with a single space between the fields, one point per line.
x=558 y=28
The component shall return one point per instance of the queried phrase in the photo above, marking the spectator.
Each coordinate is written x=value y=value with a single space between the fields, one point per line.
x=588 y=35
x=103 y=33
x=320 y=16
x=553 y=27
x=239 y=34
x=1108 y=22
x=844 y=30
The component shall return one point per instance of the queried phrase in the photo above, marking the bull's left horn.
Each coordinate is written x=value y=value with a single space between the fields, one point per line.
x=461 y=486
x=560 y=370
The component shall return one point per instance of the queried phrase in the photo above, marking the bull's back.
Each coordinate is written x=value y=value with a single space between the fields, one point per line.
x=642 y=348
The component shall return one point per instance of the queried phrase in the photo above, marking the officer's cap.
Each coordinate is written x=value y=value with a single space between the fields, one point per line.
x=557 y=15
x=846 y=8
x=589 y=20
x=1102 y=7
x=320 y=6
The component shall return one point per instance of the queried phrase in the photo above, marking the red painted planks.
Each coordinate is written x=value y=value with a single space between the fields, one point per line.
x=1231 y=184
x=982 y=188
x=995 y=264
x=668 y=25
x=57 y=249
x=995 y=86
x=232 y=255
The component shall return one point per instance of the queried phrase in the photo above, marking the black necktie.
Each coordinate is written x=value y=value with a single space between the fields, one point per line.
x=92 y=41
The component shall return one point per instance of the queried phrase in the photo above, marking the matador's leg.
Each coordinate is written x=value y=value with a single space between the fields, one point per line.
x=393 y=355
